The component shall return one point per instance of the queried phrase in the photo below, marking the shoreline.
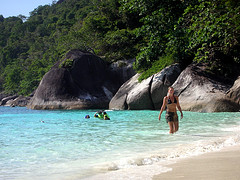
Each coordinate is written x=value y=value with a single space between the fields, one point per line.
x=217 y=165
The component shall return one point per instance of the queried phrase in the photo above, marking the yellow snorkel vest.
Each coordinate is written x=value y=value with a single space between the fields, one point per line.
x=100 y=116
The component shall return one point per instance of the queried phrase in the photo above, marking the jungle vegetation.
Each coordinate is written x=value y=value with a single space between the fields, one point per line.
x=156 y=33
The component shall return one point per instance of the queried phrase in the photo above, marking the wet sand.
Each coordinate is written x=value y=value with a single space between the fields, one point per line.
x=220 y=165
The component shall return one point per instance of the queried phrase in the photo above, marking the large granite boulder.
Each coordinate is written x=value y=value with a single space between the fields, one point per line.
x=234 y=92
x=80 y=81
x=118 y=102
x=139 y=97
x=161 y=82
x=200 y=91
x=145 y=95
x=123 y=69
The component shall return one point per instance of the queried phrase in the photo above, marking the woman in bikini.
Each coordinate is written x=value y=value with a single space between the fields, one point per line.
x=172 y=103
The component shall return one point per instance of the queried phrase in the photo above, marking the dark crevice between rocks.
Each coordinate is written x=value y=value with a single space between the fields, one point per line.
x=149 y=93
x=179 y=93
x=125 y=103
x=164 y=78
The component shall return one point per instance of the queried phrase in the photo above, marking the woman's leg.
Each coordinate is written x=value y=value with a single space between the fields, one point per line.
x=175 y=122
x=176 y=125
x=171 y=131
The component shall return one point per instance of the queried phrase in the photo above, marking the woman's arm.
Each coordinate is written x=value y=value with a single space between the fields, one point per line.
x=162 y=108
x=179 y=107
x=95 y=115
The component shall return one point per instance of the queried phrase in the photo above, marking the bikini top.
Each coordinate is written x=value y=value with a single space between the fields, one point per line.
x=170 y=102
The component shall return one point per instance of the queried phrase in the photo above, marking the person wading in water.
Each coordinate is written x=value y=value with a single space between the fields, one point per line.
x=172 y=103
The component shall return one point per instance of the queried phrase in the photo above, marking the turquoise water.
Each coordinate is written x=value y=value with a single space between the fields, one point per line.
x=62 y=144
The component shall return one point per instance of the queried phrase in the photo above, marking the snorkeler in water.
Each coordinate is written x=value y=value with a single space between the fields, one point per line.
x=87 y=117
x=102 y=115
x=99 y=115
x=105 y=116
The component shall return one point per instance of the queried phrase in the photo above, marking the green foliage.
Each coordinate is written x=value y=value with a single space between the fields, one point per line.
x=157 y=66
x=13 y=75
x=158 y=20
x=214 y=34
x=155 y=32
x=201 y=31
x=30 y=48
x=68 y=63
x=213 y=28
x=120 y=44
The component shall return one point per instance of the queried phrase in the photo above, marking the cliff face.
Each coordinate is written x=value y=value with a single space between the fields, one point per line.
x=81 y=80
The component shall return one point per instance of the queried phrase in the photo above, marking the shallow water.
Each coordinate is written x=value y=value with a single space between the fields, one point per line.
x=64 y=145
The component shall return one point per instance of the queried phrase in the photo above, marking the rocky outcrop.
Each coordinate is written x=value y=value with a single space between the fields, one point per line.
x=139 y=97
x=21 y=101
x=161 y=82
x=80 y=81
x=200 y=91
x=234 y=92
x=118 y=102
x=14 y=100
x=2 y=96
x=123 y=69
x=145 y=95
x=8 y=98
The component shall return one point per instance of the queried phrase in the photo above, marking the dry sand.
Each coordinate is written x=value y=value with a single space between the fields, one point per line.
x=221 y=165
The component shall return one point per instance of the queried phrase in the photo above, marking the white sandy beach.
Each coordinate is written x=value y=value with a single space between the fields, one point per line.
x=221 y=165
